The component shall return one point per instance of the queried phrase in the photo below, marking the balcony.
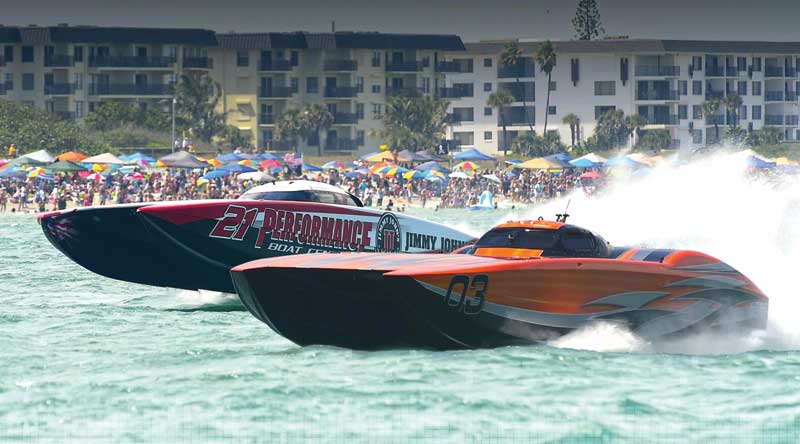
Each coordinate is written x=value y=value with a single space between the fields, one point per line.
x=340 y=65
x=658 y=71
x=58 y=60
x=715 y=120
x=773 y=71
x=129 y=89
x=715 y=71
x=516 y=71
x=275 y=92
x=266 y=119
x=404 y=66
x=772 y=119
x=773 y=96
x=455 y=93
x=732 y=71
x=64 y=115
x=345 y=118
x=711 y=94
x=338 y=144
x=457 y=118
x=792 y=119
x=791 y=96
x=397 y=91
x=657 y=95
x=198 y=63
x=275 y=65
x=340 y=91
x=131 y=62
x=515 y=116
x=790 y=72
x=59 y=89
x=453 y=67
x=671 y=119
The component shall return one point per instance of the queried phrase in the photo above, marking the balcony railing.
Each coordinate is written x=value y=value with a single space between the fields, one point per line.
x=59 y=89
x=662 y=120
x=266 y=119
x=58 y=60
x=732 y=71
x=345 y=118
x=404 y=66
x=198 y=63
x=715 y=71
x=658 y=71
x=791 y=96
x=715 y=120
x=656 y=95
x=457 y=118
x=524 y=70
x=792 y=119
x=711 y=94
x=773 y=71
x=131 y=62
x=128 y=89
x=339 y=144
x=275 y=65
x=790 y=72
x=340 y=65
x=773 y=96
x=275 y=92
x=453 y=67
x=455 y=93
x=773 y=119
x=341 y=91
x=394 y=91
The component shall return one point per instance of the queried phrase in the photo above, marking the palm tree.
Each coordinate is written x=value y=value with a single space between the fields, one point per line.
x=709 y=108
x=501 y=99
x=512 y=57
x=732 y=104
x=316 y=118
x=546 y=58
x=571 y=120
x=290 y=126
x=635 y=124
x=197 y=99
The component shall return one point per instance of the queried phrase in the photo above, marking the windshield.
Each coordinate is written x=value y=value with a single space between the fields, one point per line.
x=302 y=196
x=529 y=238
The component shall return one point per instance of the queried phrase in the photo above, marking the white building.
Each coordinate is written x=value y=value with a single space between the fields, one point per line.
x=664 y=80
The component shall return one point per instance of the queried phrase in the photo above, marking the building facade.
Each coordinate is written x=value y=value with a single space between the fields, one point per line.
x=665 y=81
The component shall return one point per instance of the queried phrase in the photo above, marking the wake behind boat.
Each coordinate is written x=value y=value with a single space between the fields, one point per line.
x=194 y=244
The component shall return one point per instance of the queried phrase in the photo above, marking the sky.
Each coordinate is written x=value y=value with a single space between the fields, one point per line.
x=473 y=20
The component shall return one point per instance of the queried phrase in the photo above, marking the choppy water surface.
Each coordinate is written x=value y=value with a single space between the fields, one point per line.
x=87 y=359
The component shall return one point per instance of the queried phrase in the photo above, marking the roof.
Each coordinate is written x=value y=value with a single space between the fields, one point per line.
x=540 y=224
x=644 y=45
x=336 y=40
x=114 y=35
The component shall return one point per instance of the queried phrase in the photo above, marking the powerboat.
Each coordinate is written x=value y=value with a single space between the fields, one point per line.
x=521 y=282
x=194 y=244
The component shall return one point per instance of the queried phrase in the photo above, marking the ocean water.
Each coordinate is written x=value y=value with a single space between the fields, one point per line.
x=87 y=359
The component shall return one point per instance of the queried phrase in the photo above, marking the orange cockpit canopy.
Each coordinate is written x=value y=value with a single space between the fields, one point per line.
x=540 y=238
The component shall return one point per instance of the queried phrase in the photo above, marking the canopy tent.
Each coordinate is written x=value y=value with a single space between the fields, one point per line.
x=230 y=157
x=104 y=159
x=426 y=155
x=255 y=176
x=380 y=157
x=411 y=156
x=559 y=159
x=41 y=156
x=27 y=161
x=136 y=157
x=356 y=173
x=72 y=156
x=590 y=160
x=269 y=156
x=236 y=168
x=13 y=171
x=333 y=165
x=472 y=154
x=182 y=159
x=623 y=162
x=217 y=174
x=492 y=177
x=564 y=157
x=540 y=163
x=309 y=167
x=431 y=165
x=65 y=166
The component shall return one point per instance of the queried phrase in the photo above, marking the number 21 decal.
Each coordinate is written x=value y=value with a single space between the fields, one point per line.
x=457 y=297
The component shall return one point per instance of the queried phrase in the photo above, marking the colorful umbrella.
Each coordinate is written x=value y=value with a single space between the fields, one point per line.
x=413 y=174
x=270 y=163
x=540 y=163
x=216 y=174
x=135 y=176
x=435 y=173
x=380 y=157
x=465 y=166
x=95 y=176
x=72 y=156
x=236 y=168
x=36 y=171
x=392 y=171
x=591 y=175
x=98 y=167
x=248 y=162
x=333 y=165
x=213 y=162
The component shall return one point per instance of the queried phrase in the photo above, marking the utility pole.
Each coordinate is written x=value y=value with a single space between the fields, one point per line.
x=174 y=101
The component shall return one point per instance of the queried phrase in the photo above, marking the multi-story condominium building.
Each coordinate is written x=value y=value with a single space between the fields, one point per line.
x=666 y=81
x=70 y=70
x=350 y=73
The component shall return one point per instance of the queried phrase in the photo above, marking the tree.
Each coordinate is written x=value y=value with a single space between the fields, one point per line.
x=732 y=104
x=587 y=21
x=534 y=145
x=654 y=140
x=512 y=57
x=635 y=123
x=735 y=135
x=709 y=109
x=546 y=58
x=769 y=135
x=197 y=100
x=573 y=121
x=612 y=129
x=111 y=115
x=232 y=137
x=316 y=119
x=500 y=100
x=413 y=122
x=290 y=127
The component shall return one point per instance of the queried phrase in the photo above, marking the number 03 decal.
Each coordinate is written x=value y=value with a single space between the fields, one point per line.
x=457 y=297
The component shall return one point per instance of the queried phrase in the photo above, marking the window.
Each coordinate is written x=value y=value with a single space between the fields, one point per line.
x=27 y=82
x=697 y=112
x=756 y=112
x=294 y=83
x=553 y=86
x=376 y=58
x=756 y=88
x=77 y=79
x=463 y=115
x=682 y=87
x=376 y=110
x=465 y=138
x=294 y=58
x=376 y=88
x=79 y=109
x=487 y=111
x=757 y=64
x=360 y=138
x=741 y=88
x=359 y=110
x=242 y=58
x=77 y=53
x=91 y=106
x=600 y=110
x=426 y=85
x=605 y=88
x=697 y=63
x=426 y=62
x=487 y=86
x=8 y=53
x=741 y=63
x=27 y=54
x=697 y=87
x=742 y=112
x=487 y=135
x=697 y=136
x=551 y=110
x=683 y=112
x=312 y=85
x=487 y=63
x=360 y=84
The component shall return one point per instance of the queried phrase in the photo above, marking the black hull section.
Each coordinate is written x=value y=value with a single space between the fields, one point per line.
x=116 y=242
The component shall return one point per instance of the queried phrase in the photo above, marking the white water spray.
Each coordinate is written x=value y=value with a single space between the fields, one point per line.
x=714 y=206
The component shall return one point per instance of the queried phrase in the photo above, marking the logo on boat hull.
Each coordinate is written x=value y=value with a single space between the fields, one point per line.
x=388 y=235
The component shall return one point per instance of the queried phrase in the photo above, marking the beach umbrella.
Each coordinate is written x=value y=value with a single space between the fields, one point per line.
x=431 y=165
x=36 y=171
x=270 y=163
x=465 y=166
x=393 y=171
x=268 y=156
x=72 y=156
x=414 y=174
x=559 y=160
x=182 y=159
x=365 y=156
x=217 y=174
x=333 y=165
x=472 y=154
x=540 y=163
x=493 y=178
x=230 y=157
x=65 y=166
x=111 y=170
x=435 y=179
x=28 y=161
x=135 y=176
x=99 y=168
x=214 y=162
x=133 y=158
x=380 y=157
x=255 y=176
x=13 y=171
x=426 y=155
x=104 y=159
x=435 y=173
x=236 y=168
x=355 y=173
x=591 y=175
x=309 y=167
x=248 y=162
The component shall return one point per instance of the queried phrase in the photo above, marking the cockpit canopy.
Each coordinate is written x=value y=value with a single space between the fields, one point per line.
x=545 y=239
x=302 y=191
